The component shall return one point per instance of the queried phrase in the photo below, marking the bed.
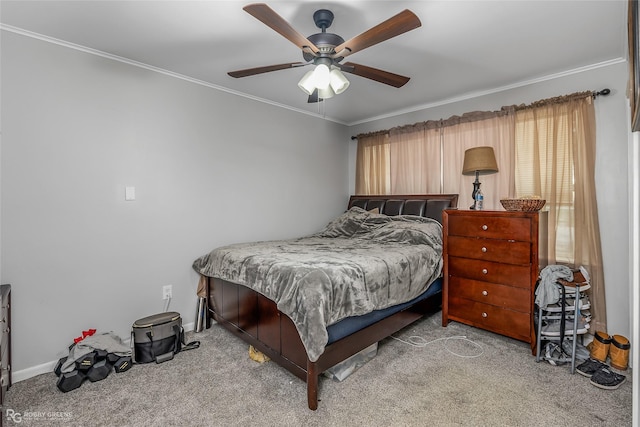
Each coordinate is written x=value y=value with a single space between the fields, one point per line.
x=310 y=303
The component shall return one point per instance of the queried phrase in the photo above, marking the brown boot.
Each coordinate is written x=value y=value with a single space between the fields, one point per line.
x=619 y=352
x=600 y=346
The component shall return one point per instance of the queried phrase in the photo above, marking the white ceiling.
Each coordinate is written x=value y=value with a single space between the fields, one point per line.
x=462 y=49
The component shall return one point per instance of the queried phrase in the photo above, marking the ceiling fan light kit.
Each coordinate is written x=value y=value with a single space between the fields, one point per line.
x=307 y=83
x=326 y=79
x=339 y=82
x=326 y=93
x=326 y=50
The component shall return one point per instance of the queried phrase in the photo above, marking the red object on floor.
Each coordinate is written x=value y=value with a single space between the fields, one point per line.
x=84 y=335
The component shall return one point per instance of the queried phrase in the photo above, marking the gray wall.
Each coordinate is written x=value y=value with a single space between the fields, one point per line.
x=612 y=168
x=209 y=168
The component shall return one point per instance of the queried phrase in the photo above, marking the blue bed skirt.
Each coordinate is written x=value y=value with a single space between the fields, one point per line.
x=352 y=324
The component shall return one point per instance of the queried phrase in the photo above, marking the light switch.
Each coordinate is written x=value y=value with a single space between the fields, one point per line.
x=129 y=193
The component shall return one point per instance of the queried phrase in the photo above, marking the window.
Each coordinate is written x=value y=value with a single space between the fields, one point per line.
x=427 y=158
x=544 y=167
x=546 y=149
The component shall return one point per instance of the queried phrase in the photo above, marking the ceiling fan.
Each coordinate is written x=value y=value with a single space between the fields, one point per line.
x=326 y=51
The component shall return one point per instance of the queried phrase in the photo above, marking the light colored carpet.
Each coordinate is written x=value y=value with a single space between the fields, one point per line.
x=218 y=385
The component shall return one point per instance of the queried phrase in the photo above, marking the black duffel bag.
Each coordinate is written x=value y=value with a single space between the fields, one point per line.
x=158 y=338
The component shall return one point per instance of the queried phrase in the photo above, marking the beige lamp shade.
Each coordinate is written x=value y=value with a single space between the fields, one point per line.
x=481 y=160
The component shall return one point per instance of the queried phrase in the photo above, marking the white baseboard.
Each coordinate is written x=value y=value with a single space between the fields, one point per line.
x=45 y=368
x=25 y=374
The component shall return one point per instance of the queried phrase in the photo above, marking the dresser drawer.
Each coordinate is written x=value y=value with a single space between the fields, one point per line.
x=503 y=321
x=5 y=378
x=506 y=251
x=4 y=332
x=4 y=315
x=5 y=342
x=518 y=229
x=4 y=358
x=488 y=271
x=516 y=299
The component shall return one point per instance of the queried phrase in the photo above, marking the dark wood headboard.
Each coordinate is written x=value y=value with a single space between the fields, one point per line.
x=427 y=205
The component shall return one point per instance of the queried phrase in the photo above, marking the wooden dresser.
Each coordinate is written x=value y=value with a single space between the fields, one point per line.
x=491 y=265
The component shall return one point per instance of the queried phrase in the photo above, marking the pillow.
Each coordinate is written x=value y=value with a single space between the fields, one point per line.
x=347 y=224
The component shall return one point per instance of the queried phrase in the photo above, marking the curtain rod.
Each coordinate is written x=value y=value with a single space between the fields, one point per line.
x=603 y=92
x=594 y=94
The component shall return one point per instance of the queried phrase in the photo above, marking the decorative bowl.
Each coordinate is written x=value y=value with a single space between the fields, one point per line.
x=523 y=205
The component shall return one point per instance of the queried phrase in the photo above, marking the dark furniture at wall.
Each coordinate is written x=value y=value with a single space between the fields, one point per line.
x=491 y=265
x=5 y=340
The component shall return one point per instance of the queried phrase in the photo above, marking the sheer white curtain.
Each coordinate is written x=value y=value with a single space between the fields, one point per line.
x=556 y=141
x=497 y=132
x=372 y=164
x=415 y=160
x=427 y=158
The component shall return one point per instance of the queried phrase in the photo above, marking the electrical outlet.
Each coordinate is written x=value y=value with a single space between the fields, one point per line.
x=167 y=292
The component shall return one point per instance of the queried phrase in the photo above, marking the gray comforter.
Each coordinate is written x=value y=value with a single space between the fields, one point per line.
x=358 y=263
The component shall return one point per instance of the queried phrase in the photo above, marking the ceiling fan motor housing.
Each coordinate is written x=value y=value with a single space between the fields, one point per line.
x=325 y=42
x=323 y=18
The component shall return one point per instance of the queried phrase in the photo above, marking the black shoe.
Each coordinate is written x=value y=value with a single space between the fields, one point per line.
x=606 y=379
x=590 y=367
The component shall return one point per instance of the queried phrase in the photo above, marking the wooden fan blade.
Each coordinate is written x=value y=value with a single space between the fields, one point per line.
x=394 y=26
x=385 y=77
x=268 y=68
x=267 y=16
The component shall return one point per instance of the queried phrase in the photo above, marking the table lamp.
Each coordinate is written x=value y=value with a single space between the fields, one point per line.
x=479 y=161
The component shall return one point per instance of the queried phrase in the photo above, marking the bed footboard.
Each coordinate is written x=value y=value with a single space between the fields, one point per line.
x=257 y=321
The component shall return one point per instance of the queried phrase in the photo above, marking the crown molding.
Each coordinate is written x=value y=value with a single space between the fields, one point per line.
x=477 y=94
x=413 y=109
x=148 y=67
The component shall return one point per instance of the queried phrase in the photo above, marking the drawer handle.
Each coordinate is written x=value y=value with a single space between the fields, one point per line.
x=483 y=249
x=485 y=293
x=484 y=314
x=485 y=228
x=484 y=271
